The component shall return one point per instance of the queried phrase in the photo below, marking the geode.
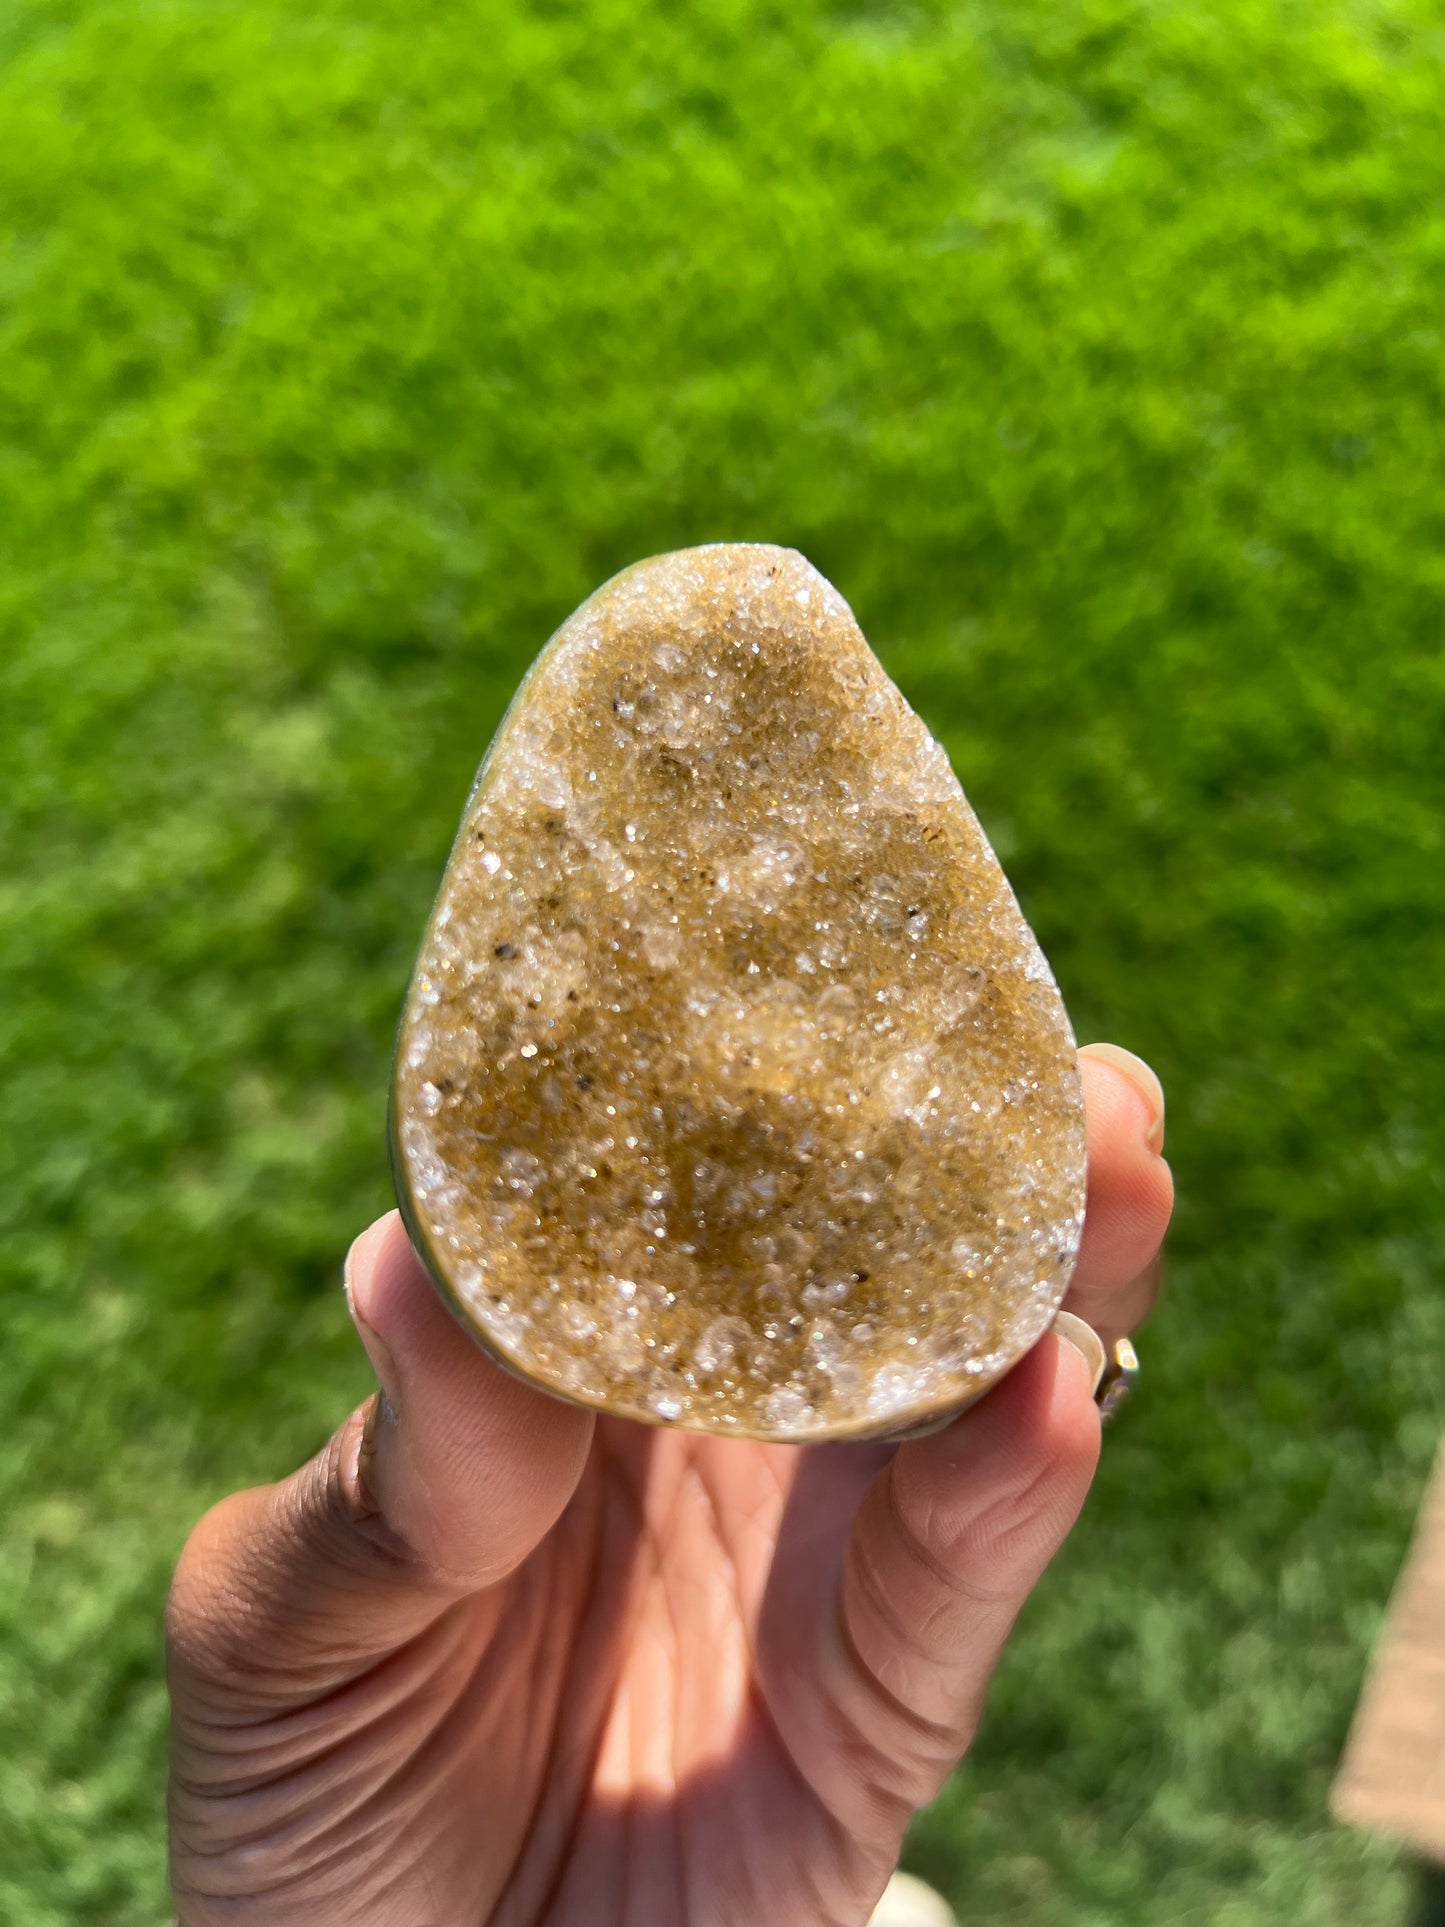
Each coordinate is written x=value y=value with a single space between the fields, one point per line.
x=732 y=1089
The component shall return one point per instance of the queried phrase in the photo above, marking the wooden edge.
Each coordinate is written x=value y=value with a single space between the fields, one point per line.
x=1392 y=1776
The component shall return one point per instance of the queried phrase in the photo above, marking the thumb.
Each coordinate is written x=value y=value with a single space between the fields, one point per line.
x=439 y=1486
x=465 y=1464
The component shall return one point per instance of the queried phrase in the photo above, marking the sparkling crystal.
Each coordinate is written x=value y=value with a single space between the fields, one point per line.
x=729 y=1056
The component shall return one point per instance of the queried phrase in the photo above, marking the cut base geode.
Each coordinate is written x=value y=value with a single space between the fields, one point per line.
x=732 y=1089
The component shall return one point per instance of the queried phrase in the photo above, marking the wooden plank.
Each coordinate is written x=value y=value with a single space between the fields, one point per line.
x=1392 y=1778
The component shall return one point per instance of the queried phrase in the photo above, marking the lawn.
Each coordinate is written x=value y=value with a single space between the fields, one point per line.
x=1097 y=352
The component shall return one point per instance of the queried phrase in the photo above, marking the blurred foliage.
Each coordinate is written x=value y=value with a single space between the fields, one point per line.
x=1097 y=352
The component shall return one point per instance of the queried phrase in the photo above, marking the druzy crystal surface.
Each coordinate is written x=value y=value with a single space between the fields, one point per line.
x=732 y=1089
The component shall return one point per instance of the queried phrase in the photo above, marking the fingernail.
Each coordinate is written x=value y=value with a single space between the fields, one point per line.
x=1086 y=1342
x=1145 y=1082
x=374 y=1345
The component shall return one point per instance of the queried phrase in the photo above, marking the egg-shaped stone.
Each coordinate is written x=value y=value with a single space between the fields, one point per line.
x=732 y=1089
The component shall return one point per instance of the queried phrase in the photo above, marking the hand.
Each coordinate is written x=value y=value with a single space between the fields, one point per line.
x=490 y=1659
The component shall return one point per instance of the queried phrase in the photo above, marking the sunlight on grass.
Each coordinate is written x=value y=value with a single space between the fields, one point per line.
x=1096 y=353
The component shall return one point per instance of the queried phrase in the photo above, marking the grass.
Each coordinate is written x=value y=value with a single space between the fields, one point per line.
x=1097 y=353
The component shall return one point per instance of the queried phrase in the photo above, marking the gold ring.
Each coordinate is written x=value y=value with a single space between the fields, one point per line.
x=1121 y=1375
x=1115 y=1367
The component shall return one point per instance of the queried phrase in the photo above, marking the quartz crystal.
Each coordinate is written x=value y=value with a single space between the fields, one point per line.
x=732 y=1089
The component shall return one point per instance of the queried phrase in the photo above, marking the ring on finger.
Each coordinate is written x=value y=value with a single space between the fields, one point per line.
x=1115 y=1367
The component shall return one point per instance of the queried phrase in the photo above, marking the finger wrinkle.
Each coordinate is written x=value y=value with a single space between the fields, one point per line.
x=1004 y=1536
x=919 y=1540
x=851 y=1742
x=897 y=1770
x=330 y=1523
x=877 y=1599
x=868 y=1572
x=1021 y=1448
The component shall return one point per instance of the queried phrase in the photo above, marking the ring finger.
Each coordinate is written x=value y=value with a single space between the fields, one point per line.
x=1131 y=1192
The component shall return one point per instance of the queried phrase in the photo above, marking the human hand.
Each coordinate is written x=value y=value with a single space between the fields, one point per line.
x=491 y=1659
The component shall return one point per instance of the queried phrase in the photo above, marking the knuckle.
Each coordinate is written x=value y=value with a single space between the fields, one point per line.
x=269 y=1584
x=205 y=1615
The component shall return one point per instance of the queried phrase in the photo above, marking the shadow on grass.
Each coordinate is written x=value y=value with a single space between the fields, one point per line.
x=1429 y=1898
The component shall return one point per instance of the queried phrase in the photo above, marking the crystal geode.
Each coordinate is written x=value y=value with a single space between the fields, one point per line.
x=732 y=1089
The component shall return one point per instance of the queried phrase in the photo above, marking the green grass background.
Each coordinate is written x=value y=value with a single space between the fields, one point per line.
x=1097 y=352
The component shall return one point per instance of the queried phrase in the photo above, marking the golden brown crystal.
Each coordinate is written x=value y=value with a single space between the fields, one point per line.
x=732 y=1089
